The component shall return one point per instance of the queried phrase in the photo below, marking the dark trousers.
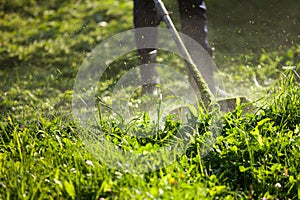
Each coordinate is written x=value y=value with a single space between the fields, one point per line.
x=193 y=23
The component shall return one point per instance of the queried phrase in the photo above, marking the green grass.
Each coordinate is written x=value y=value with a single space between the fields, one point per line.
x=43 y=154
x=43 y=157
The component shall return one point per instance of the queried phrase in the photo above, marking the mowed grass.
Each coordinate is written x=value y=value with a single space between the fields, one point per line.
x=42 y=156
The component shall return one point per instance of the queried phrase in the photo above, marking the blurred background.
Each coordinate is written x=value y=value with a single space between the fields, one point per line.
x=43 y=43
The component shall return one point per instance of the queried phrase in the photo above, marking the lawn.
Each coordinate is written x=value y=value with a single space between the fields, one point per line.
x=251 y=152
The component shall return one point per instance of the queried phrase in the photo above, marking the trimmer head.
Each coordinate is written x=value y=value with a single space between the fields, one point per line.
x=229 y=104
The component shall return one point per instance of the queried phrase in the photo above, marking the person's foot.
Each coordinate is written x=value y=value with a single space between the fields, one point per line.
x=150 y=88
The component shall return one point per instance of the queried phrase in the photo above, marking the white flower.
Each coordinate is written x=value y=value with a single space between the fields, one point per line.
x=102 y=24
x=160 y=191
x=278 y=185
x=73 y=170
x=89 y=163
x=57 y=182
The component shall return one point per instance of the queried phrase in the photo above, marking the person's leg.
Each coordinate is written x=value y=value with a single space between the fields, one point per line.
x=193 y=21
x=145 y=16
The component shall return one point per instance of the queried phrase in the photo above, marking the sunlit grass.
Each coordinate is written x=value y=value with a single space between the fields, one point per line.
x=236 y=155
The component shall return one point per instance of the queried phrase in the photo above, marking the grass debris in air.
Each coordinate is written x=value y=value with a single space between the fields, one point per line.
x=255 y=155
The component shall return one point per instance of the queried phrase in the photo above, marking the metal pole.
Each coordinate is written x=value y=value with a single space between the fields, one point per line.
x=206 y=94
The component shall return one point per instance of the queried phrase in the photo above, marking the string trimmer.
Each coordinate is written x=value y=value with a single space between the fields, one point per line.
x=206 y=95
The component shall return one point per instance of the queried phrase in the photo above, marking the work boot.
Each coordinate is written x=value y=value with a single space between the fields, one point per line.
x=148 y=71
